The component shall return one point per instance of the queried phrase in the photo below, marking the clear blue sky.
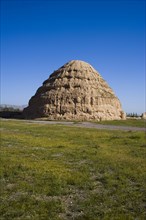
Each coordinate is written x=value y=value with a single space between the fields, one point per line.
x=39 y=36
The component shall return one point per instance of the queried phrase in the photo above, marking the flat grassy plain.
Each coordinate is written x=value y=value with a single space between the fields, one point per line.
x=129 y=122
x=55 y=172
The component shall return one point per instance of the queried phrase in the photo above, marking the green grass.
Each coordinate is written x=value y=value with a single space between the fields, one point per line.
x=128 y=122
x=55 y=172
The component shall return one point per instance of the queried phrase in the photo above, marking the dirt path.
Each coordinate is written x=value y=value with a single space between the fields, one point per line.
x=84 y=125
x=90 y=125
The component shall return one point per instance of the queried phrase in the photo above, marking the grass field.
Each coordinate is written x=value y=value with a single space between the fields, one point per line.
x=128 y=122
x=55 y=172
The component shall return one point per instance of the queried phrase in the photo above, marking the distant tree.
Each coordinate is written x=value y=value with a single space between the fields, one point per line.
x=9 y=109
x=133 y=115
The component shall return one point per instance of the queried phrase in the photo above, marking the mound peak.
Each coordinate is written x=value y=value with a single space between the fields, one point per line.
x=76 y=91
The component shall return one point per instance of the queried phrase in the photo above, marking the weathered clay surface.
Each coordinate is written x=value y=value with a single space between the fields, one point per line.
x=76 y=91
x=143 y=115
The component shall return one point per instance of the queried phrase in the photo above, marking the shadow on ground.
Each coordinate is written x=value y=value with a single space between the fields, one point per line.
x=12 y=114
